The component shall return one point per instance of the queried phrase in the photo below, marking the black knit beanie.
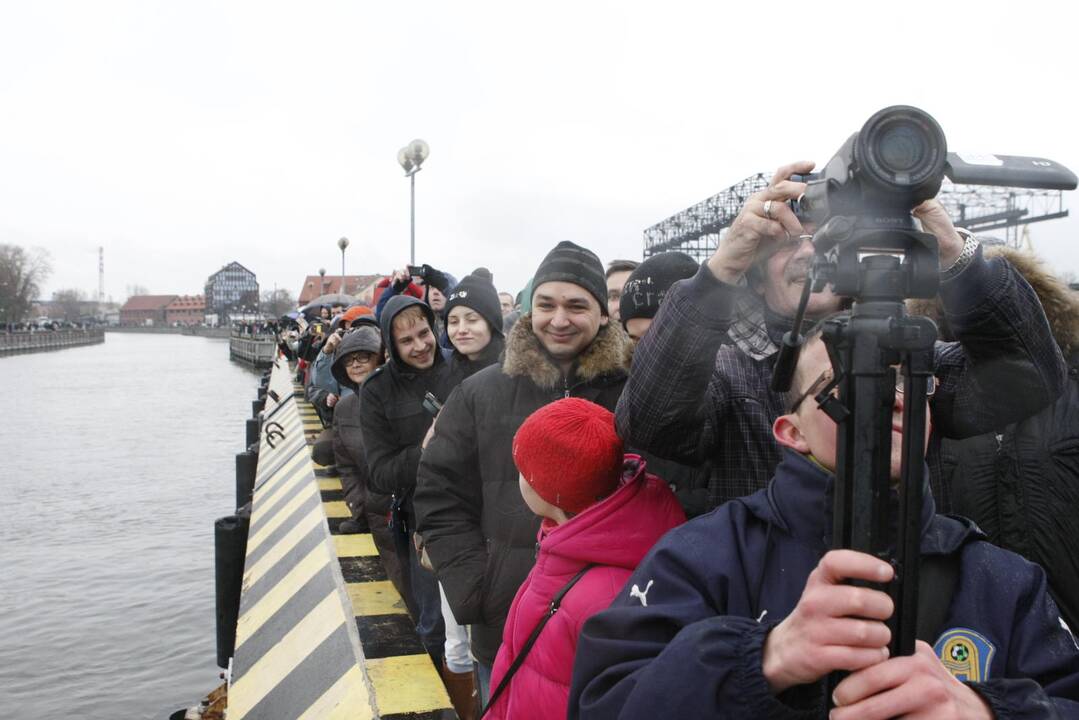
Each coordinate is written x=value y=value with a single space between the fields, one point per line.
x=477 y=291
x=569 y=262
x=646 y=286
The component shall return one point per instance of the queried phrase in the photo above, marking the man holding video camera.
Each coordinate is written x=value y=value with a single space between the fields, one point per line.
x=700 y=386
x=743 y=612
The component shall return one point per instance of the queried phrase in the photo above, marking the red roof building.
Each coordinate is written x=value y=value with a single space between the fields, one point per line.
x=362 y=287
x=145 y=309
x=186 y=310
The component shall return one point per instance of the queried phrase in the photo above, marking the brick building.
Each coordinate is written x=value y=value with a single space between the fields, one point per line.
x=362 y=287
x=186 y=310
x=145 y=310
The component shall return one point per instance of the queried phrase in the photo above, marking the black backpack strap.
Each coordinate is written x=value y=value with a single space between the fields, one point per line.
x=937 y=577
x=556 y=601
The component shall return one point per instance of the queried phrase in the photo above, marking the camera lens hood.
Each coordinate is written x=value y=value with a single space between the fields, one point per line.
x=902 y=149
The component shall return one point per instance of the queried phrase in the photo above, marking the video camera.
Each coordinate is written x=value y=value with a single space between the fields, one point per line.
x=868 y=246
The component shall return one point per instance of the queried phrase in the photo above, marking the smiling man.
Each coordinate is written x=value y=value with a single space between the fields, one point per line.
x=480 y=535
x=700 y=387
x=394 y=423
x=748 y=609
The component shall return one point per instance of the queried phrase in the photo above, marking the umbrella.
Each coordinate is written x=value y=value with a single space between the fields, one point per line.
x=329 y=299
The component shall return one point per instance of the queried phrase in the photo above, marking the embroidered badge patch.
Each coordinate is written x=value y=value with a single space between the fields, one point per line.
x=966 y=654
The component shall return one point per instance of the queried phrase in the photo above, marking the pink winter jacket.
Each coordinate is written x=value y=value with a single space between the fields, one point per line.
x=615 y=533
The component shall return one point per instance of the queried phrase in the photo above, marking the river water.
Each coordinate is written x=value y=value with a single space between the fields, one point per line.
x=115 y=460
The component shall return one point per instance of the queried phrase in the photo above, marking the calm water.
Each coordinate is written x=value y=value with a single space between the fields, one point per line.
x=115 y=460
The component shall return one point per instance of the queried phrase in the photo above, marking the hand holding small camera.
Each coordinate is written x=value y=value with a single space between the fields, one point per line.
x=764 y=220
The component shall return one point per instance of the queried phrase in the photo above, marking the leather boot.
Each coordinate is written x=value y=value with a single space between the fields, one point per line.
x=462 y=691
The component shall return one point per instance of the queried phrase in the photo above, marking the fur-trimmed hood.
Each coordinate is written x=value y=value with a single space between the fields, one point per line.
x=526 y=357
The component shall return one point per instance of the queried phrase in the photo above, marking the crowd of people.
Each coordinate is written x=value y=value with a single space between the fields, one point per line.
x=595 y=506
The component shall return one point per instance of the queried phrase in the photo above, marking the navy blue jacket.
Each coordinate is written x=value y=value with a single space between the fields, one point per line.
x=717 y=585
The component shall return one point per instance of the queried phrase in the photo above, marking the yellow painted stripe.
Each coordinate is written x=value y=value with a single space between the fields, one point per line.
x=282 y=658
x=347 y=699
x=377 y=597
x=407 y=683
x=283 y=546
x=336 y=509
x=361 y=545
x=280 y=516
x=281 y=593
x=300 y=457
x=329 y=483
x=268 y=497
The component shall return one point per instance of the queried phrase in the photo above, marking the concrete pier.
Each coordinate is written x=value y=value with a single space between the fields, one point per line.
x=44 y=340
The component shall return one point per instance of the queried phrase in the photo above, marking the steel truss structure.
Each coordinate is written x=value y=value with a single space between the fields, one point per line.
x=978 y=208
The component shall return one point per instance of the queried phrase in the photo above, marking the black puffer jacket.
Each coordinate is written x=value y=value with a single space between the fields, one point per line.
x=1022 y=488
x=393 y=419
x=480 y=534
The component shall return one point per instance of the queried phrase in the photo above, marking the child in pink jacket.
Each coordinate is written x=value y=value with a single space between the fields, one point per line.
x=599 y=508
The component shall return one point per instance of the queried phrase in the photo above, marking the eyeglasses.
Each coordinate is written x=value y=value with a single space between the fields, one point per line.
x=827 y=376
x=358 y=359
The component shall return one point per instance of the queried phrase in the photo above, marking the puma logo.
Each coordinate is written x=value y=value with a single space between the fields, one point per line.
x=1063 y=624
x=642 y=595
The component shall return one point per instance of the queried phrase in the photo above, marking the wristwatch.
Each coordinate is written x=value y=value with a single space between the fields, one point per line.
x=970 y=249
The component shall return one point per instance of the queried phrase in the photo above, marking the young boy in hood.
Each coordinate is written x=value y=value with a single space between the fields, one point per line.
x=599 y=508
x=394 y=423
x=743 y=612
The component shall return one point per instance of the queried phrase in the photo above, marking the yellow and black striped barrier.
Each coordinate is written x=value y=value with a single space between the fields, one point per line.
x=321 y=633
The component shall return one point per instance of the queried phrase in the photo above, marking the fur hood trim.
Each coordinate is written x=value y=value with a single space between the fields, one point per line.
x=526 y=357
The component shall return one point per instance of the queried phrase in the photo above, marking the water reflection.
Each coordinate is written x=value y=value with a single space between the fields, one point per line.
x=116 y=459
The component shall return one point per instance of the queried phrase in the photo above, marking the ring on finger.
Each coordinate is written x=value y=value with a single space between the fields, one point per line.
x=768 y=209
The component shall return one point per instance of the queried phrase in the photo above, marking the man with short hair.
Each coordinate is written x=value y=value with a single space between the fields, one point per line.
x=700 y=387
x=506 y=301
x=617 y=273
x=479 y=533
x=742 y=613
x=394 y=423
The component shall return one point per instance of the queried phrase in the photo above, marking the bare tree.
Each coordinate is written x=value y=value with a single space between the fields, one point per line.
x=69 y=303
x=22 y=273
x=136 y=289
x=277 y=302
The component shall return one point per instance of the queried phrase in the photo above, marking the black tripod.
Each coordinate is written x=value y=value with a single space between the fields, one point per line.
x=879 y=268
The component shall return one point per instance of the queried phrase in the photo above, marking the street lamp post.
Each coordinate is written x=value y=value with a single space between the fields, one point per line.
x=411 y=157
x=322 y=281
x=342 y=243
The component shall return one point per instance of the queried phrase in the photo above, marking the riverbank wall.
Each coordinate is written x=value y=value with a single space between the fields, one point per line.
x=19 y=343
x=321 y=631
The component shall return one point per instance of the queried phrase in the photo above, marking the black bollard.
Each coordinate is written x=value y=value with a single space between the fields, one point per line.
x=230 y=546
x=246 y=467
x=252 y=432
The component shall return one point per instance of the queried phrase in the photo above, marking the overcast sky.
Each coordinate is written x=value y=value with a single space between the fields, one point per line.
x=184 y=135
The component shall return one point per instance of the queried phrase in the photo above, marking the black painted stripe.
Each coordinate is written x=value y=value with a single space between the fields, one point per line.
x=281 y=568
x=278 y=461
x=333 y=495
x=309 y=680
x=388 y=636
x=362 y=569
x=264 y=515
x=281 y=622
x=282 y=530
x=445 y=714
